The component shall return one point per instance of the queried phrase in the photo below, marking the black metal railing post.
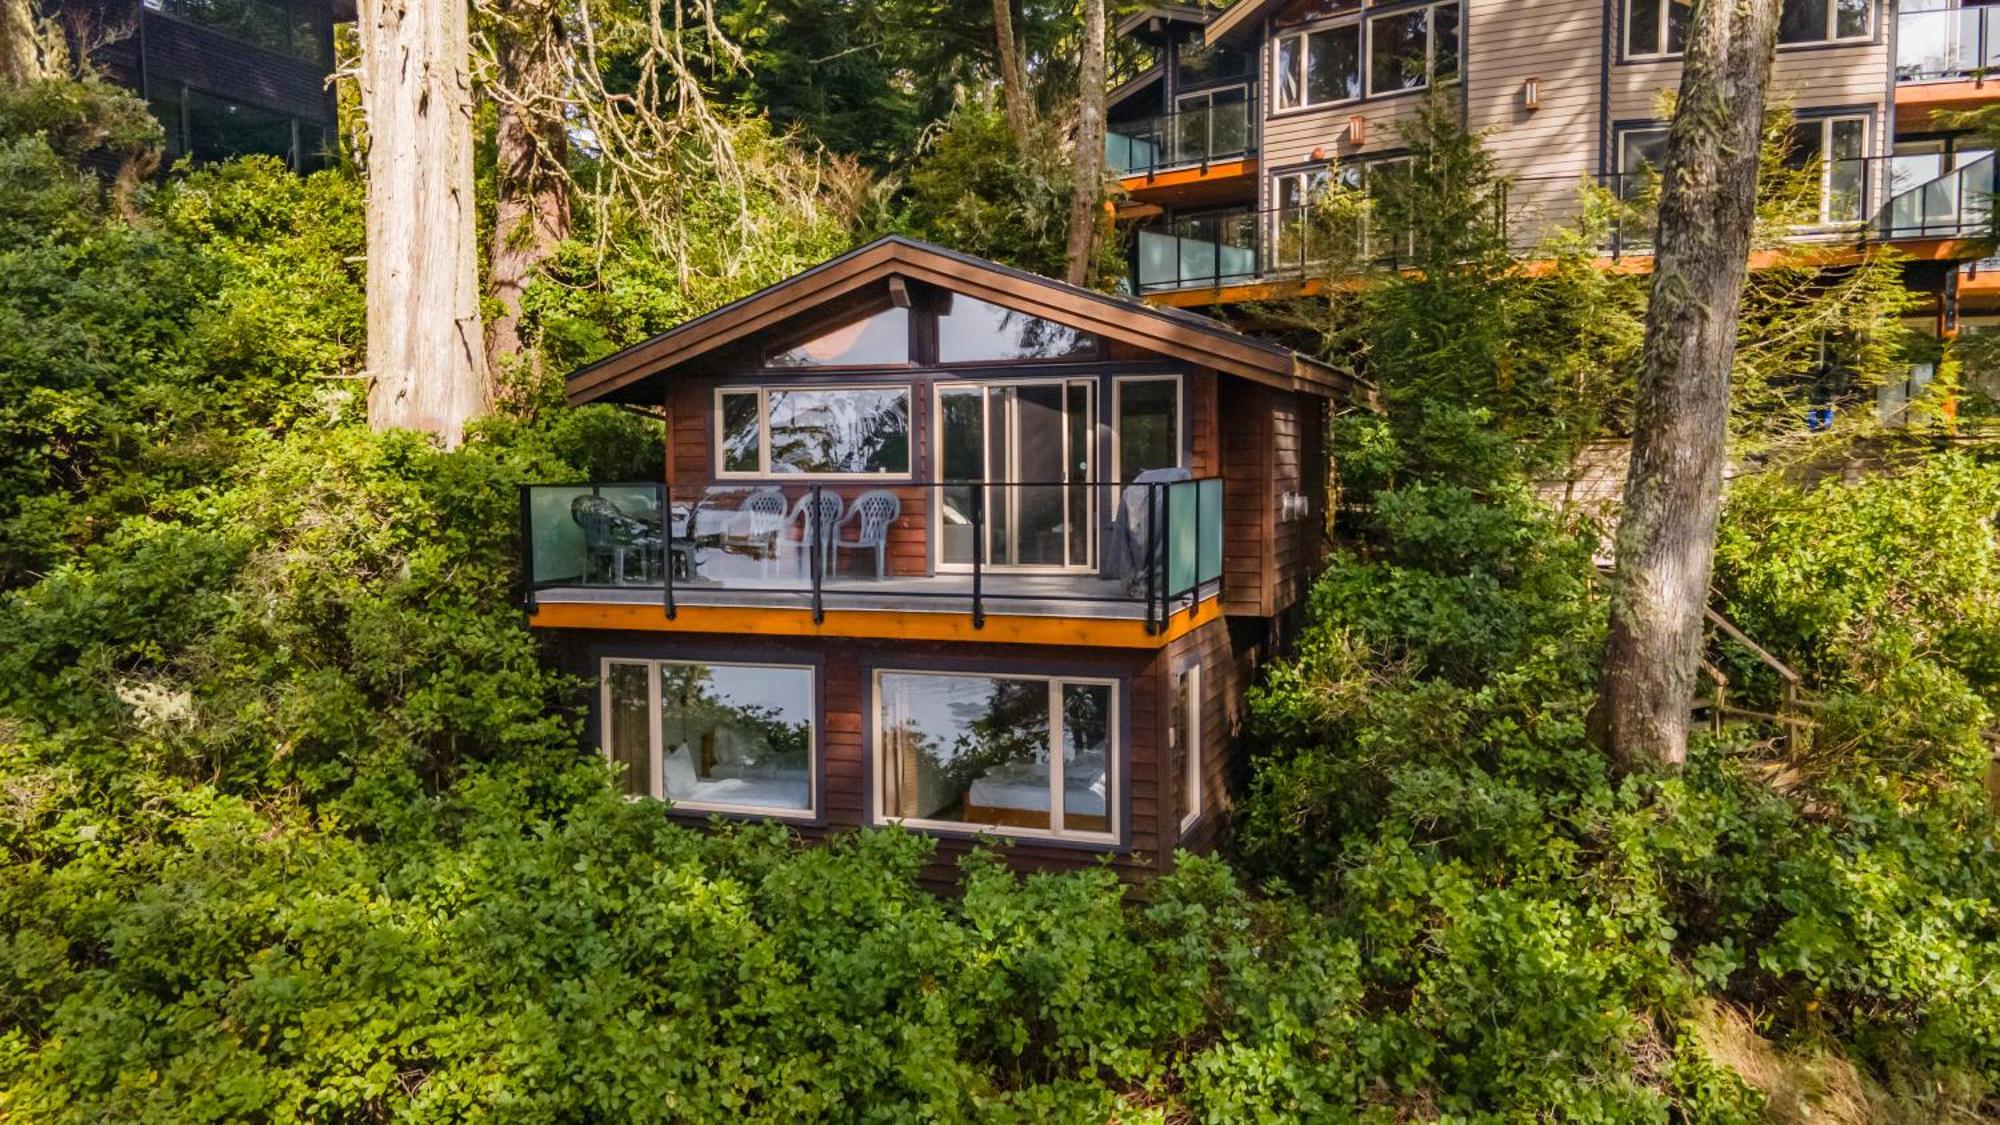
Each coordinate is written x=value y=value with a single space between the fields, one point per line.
x=666 y=510
x=527 y=548
x=1152 y=555
x=978 y=552
x=814 y=563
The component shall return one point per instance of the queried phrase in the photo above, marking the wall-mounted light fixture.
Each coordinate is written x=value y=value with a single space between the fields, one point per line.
x=1357 y=130
x=1531 y=93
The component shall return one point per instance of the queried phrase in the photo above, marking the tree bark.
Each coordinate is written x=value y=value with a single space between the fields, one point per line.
x=1089 y=186
x=20 y=57
x=1673 y=491
x=426 y=359
x=1013 y=78
x=531 y=141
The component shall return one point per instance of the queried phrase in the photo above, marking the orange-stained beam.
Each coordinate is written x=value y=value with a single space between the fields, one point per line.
x=1021 y=629
x=1918 y=102
x=1182 y=177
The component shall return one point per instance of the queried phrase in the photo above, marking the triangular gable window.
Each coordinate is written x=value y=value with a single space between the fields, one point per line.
x=881 y=340
x=975 y=331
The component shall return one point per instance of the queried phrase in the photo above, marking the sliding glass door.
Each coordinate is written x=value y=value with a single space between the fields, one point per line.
x=1022 y=455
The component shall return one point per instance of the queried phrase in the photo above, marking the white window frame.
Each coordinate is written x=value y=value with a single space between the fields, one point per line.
x=1114 y=766
x=655 y=741
x=1825 y=220
x=942 y=387
x=1187 y=737
x=763 y=392
x=1303 y=34
x=1832 y=28
x=1430 y=48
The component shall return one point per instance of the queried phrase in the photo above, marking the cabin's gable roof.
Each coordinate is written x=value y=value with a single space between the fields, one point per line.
x=1168 y=332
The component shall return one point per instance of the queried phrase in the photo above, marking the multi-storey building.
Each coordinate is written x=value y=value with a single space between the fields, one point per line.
x=225 y=77
x=1223 y=143
x=942 y=544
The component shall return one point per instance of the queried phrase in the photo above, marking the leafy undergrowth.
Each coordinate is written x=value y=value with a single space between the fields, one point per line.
x=297 y=822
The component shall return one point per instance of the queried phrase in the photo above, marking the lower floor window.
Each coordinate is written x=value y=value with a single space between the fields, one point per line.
x=723 y=737
x=1025 y=754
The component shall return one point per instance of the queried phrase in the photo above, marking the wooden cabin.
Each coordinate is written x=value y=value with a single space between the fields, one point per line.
x=945 y=544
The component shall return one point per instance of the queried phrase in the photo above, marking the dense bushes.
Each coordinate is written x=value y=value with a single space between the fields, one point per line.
x=296 y=824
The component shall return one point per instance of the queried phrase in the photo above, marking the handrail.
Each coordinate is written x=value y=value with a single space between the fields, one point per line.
x=1163 y=142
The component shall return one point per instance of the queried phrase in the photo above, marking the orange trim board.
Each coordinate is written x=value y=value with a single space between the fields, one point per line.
x=1181 y=177
x=1083 y=632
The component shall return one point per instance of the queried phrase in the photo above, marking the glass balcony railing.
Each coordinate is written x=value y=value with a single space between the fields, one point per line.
x=1191 y=137
x=1946 y=44
x=1955 y=204
x=1088 y=548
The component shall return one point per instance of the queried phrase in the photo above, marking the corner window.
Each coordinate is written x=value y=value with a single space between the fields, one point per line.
x=1027 y=755
x=1184 y=735
x=1146 y=427
x=718 y=737
x=812 y=431
x=880 y=340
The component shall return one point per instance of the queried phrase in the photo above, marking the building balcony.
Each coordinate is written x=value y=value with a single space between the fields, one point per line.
x=1845 y=207
x=1089 y=563
x=1944 y=60
x=1199 y=155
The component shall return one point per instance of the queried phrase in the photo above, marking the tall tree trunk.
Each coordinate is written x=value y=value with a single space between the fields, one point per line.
x=531 y=212
x=426 y=357
x=20 y=37
x=1013 y=77
x=1680 y=438
x=1089 y=186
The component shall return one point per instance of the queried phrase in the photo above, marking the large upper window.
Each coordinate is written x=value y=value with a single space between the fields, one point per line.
x=879 y=340
x=818 y=431
x=1196 y=63
x=1147 y=427
x=1015 y=753
x=1660 y=27
x=1318 y=67
x=724 y=737
x=975 y=330
x=1410 y=49
x=1407 y=49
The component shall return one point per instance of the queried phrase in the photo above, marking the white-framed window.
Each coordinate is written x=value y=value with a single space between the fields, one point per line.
x=1300 y=239
x=1185 y=736
x=1659 y=28
x=827 y=432
x=1411 y=48
x=1012 y=754
x=1318 y=67
x=1837 y=147
x=1406 y=49
x=712 y=736
x=1146 y=429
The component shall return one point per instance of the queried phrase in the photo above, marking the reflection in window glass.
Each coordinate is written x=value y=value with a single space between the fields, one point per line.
x=1444 y=42
x=1287 y=66
x=978 y=330
x=1398 y=52
x=736 y=735
x=1851 y=18
x=1655 y=27
x=742 y=447
x=1148 y=426
x=1333 y=65
x=629 y=744
x=975 y=750
x=880 y=339
x=219 y=130
x=858 y=430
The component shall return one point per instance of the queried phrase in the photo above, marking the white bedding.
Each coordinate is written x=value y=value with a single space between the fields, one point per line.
x=1015 y=785
x=682 y=784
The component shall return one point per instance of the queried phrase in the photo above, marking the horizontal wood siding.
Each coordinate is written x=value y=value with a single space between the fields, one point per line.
x=1223 y=682
x=1247 y=526
x=1549 y=151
